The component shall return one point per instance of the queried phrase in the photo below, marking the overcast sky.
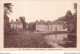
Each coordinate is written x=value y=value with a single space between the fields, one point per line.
x=45 y=10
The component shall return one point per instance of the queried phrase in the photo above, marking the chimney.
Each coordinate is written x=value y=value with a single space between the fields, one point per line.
x=16 y=20
x=12 y=21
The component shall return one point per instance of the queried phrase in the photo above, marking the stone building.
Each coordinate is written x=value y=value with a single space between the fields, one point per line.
x=51 y=26
x=17 y=25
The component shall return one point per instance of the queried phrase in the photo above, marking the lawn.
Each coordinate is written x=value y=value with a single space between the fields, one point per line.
x=25 y=40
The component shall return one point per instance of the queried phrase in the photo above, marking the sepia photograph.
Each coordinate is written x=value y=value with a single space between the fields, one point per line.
x=40 y=24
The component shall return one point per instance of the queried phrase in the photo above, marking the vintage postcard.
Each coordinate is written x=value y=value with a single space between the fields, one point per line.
x=39 y=25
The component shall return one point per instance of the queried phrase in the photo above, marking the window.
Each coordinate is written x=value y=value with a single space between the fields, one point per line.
x=13 y=27
x=51 y=27
x=48 y=27
x=55 y=28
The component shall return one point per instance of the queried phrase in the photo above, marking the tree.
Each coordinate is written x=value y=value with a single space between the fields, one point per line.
x=75 y=17
x=75 y=7
x=24 y=22
x=69 y=19
x=7 y=10
x=34 y=26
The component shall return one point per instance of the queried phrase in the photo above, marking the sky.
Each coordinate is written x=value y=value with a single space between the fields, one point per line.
x=41 y=10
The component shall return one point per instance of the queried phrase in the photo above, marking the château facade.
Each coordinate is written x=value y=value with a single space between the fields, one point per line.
x=51 y=26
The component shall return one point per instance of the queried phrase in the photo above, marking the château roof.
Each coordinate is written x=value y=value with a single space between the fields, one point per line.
x=51 y=23
x=18 y=21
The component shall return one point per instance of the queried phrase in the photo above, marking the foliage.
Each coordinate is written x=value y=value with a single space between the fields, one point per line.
x=7 y=10
x=71 y=19
x=75 y=7
x=24 y=22
x=32 y=26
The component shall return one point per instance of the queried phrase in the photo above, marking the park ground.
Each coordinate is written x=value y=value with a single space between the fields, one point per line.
x=27 y=39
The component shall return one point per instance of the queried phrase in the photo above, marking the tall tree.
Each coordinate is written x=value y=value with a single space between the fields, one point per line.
x=75 y=17
x=7 y=10
x=75 y=7
x=24 y=22
x=69 y=20
x=69 y=17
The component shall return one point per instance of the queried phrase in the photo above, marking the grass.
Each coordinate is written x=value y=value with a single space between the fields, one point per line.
x=25 y=40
